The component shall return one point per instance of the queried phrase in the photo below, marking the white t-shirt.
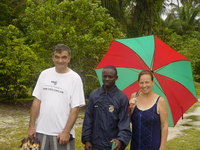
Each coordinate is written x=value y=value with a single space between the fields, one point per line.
x=58 y=93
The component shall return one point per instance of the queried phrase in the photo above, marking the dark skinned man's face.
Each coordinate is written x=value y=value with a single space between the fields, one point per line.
x=109 y=77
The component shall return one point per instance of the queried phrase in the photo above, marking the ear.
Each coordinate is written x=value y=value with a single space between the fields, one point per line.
x=53 y=57
x=69 y=59
x=116 y=77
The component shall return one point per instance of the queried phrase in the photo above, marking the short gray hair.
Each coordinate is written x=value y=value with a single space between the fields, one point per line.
x=62 y=47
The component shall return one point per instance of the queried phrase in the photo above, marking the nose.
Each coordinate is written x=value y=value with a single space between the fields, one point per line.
x=144 y=85
x=60 y=59
x=107 y=78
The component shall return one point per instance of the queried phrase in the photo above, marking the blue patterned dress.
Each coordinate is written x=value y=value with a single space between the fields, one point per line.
x=146 y=129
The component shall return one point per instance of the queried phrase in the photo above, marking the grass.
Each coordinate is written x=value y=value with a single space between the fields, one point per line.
x=189 y=140
x=13 y=126
x=197 y=87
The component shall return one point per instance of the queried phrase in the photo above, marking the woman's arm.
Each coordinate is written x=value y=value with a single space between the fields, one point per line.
x=162 y=109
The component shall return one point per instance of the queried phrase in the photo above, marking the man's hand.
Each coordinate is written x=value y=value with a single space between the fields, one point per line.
x=88 y=146
x=118 y=144
x=63 y=138
x=31 y=132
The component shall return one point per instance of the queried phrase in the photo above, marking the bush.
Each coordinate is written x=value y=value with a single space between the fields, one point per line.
x=18 y=64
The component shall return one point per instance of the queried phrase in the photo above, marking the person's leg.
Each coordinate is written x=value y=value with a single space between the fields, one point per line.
x=53 y=143
x=44 y=141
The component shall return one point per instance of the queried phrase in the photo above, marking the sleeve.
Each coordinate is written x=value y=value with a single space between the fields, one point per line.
x=124 y=134
x=77 y=97
x=37 y=90
x=88 y=122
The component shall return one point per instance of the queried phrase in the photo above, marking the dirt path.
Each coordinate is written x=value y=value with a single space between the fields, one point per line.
x=190 y=120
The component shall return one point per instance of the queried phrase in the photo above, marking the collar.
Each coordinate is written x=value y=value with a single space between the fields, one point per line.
x=111 y=93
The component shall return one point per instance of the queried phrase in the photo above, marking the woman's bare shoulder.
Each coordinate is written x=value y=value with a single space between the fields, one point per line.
x=161 y=101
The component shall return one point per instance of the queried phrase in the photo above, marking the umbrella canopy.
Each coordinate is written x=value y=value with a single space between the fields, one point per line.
x=172 y=71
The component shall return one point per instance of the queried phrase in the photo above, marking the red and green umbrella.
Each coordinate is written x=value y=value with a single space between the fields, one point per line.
x=172 y=71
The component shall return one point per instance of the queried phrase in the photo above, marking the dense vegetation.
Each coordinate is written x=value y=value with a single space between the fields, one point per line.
x=30 y=28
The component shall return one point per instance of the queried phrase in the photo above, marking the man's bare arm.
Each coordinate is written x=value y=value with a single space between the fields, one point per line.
x=65 y=135
x=35 y=108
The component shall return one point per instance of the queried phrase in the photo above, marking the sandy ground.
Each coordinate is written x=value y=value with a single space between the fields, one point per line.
x=185 y=123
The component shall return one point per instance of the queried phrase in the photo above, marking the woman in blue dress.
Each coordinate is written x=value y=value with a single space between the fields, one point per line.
x=148 y=116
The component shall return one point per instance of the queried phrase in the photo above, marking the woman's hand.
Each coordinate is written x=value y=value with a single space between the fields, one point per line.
x=132 y=101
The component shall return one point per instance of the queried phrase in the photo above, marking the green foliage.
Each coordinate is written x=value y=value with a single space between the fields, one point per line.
x=17 y=63
x=9 y=10
x=184 y=18
x=117 y=9
x=136 y=17
x=82 y=24
x=187 y=45
x=5 y=13
x=181 y=32
x=197 y=86
x=145 y=18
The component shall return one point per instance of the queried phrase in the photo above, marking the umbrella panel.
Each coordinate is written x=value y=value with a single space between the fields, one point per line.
x=142 y=46
x=122 y=56
x=178 y=96
x=181 y=72
x=163 y=55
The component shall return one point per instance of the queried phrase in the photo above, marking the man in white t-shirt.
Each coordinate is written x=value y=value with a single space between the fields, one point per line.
x=58 y=96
